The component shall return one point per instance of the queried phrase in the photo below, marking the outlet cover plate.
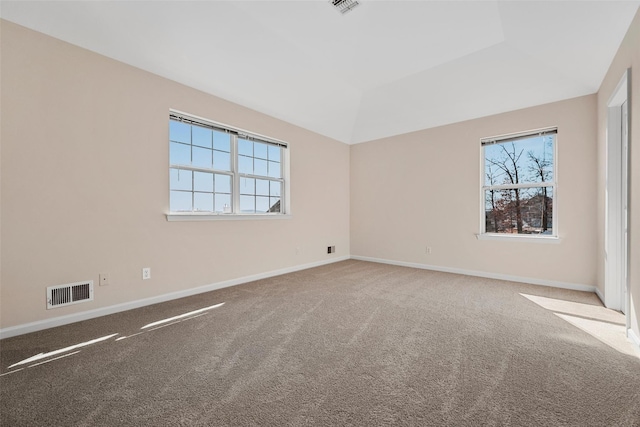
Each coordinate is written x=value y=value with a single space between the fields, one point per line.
x=104 y=279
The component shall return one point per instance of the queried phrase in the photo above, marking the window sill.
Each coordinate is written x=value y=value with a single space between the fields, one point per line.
x=519 y=238
x=224 y=217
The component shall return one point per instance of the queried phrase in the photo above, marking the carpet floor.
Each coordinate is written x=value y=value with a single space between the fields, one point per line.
x=351 y=343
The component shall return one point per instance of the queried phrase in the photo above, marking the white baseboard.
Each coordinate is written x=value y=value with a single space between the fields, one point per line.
x=633 y=338
x=599 y=294
x=529 y=280
x=26 y=328
x=90 y=314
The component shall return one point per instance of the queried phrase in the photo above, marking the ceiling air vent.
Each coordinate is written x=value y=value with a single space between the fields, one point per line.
x=344 y=6
x=72 y=293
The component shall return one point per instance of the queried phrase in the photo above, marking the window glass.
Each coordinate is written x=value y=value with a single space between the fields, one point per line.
x=247 y=204
x=223 y=183
x=274 y=170
x=221 y=160
x=274 y=203
x=222 y=200
x=215 y=170
x=201 y=136
x=247 y=186
x=274 y=153
x=203 y=202
x=262 y=187
x=180 y=154
x=522 y=161
x=262 y=204
x=260 y=150
x=181 y=179
x=179 y=132
x=202 y=157
x=180 y=201
x=245 y=164
x=519 y=183
x=222 y=141
x=245 y=147
x=203 y=181
x=275 y=188
x=260 y=167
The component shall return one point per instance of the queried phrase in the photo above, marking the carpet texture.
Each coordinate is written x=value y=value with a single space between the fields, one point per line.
x=351 y=343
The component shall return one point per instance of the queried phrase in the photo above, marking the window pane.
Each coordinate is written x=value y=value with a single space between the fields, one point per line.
x=180 y=179
x=223 y=183
x=274 y=153
x=259 y=150
x=247 y=186
x=262 y=187
x=245 y=147
x=201 y=136
x=260 y=167
x=528 y=160
x=203 y=202
x=274 y=170
x=221 y=160
x=202 y=157
x=213 y=185
x=179 y=131
x=276 y=189
x=180 y=154
x=262 y=204
x=221 y=141
x=245 y=164
x=203 y=181
x=247 y=204
x=274 y=204
x=519 y=211
x=221 y=201
x=180 y=201
x=540 y=160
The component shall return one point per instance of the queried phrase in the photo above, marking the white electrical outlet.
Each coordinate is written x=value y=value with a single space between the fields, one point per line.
x=428 y=250
x=146 y=273
x=104 y=279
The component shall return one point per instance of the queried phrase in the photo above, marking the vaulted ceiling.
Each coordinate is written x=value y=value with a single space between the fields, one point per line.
x=385 y=68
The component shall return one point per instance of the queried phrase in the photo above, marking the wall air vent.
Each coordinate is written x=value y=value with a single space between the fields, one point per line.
x=344 y=6
x=71 y=293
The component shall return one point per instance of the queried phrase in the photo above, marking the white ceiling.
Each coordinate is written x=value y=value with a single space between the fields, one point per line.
x=385 y=68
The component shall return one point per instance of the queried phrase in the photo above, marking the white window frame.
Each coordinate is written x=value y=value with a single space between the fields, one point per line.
x=235 y=135
x=542 y=238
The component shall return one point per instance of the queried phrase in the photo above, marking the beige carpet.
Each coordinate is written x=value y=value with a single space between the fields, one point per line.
x=352 y=343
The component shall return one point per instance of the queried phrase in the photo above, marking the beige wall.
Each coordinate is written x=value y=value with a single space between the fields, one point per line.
x=85 y=184
x=628 y=56
x=423 y=189
x=84 y=178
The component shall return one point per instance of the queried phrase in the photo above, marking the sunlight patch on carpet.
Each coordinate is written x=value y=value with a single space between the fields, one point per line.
x=181 y=316
x=62 y=350
x=607 y=326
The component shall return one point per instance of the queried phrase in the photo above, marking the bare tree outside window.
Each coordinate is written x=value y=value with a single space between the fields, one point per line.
x=492 y=202
x=542 y=167
x=508 y=163
x=519 y=183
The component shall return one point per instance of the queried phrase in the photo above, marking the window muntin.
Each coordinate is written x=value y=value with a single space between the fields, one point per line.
x=519 y=184
x=217 y=169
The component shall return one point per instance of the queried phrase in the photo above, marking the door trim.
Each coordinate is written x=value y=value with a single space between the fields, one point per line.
x=616 y=199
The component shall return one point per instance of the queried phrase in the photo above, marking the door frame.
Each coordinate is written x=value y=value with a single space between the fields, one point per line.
x=616 y=199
